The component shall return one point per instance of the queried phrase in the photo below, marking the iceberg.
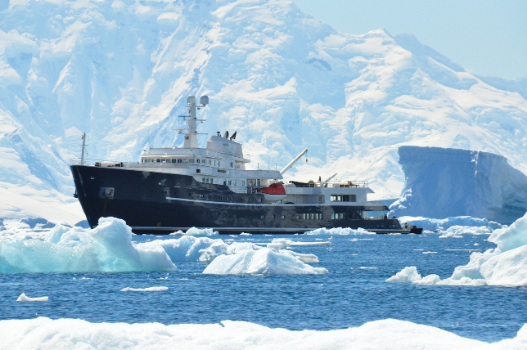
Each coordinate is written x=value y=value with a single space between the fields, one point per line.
x=258 y=260
x=75 y=333
x=106 y=248
x=447 y=182
x=505 y=265
x=189 y=248
x=23 y=297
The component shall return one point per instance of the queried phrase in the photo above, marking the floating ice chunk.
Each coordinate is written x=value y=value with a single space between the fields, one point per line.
x=245 y=234
x=75 y=333
x=106 y=248
x=260 y=261
x=408 y=274
x=189 y=248
x=505 y=265
x=149 y=289
x=431 y=224
x=458 y=231
x=194 y=231
x=339 y=231
x=429 y=252
x=23 y=297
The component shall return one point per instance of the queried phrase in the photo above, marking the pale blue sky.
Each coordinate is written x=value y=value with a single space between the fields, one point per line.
x=486 y=37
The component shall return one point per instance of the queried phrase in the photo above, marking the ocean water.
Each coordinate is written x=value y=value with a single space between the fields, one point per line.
x=352 y=293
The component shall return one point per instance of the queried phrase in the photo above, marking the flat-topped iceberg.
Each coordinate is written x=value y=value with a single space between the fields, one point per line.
x=106 y=248
x=382 y=334
x=505 y=265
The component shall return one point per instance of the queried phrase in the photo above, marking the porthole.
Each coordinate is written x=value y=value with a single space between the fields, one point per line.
x=283 y=216
x=262 y=216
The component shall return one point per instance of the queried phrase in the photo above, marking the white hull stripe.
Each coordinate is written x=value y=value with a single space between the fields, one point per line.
x=262 y=204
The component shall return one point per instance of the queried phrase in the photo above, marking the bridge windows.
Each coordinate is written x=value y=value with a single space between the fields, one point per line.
x=343 y=198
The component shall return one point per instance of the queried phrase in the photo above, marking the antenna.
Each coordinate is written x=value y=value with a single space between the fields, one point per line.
x=83 y=147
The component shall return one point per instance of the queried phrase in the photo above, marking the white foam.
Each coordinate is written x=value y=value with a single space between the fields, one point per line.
x=106 y=248
x=505 y=265
x=23 y=297
x=339 y=231
x=76 y=334
x=149 y=289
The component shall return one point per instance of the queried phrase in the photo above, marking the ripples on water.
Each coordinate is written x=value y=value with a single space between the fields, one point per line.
x=353 y=292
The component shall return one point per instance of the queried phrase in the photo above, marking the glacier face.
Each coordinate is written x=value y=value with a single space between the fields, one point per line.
x=121 y=71
x=454 y=182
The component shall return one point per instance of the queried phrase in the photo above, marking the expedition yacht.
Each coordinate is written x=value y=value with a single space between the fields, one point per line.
x=172 y=189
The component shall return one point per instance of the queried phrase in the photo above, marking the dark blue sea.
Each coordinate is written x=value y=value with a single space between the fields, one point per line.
x=352 y=293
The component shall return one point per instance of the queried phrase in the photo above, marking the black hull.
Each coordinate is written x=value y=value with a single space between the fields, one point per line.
x=160 y=203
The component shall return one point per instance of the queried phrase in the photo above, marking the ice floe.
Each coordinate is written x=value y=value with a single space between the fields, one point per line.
x=23 y=297
x=149 y=289
x=273 y=259
x=505 y=265
x=75 y=333
x=106 y=248
x=342 y=231
x=194 y=231
x=459 y=224
x=189 y=248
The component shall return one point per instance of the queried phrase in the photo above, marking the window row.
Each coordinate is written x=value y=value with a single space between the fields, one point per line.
x=210 y=180
x=343 y=198
x=210 y=162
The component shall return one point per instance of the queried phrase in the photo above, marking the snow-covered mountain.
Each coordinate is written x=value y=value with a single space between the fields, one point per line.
x=121 y=71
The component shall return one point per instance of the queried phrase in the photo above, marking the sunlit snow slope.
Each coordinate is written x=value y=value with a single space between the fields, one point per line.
x=121 y=71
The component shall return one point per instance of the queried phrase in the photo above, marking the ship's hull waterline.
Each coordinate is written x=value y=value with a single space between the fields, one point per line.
x=160 y=203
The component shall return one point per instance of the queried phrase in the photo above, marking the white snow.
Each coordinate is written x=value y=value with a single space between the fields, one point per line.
x=149 y=289
x=23 y=297
x=505 y=265
x=74 y=333
x=283 y=80
x=106 y=248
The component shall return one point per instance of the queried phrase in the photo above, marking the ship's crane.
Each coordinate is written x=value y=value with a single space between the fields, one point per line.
x=288 y=166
